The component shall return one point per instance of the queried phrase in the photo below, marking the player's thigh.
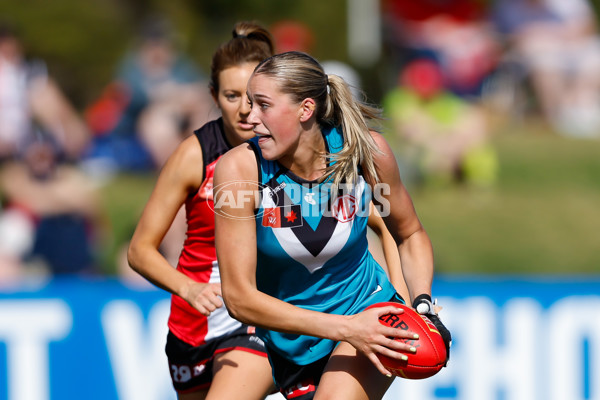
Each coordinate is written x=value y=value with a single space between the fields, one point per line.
x=239 y=374
x=350 y=375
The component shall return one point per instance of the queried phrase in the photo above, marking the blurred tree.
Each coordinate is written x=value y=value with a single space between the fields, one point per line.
x=82 y=41
x=72 y=37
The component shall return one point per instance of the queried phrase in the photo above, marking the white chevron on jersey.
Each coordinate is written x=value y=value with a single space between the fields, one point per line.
x=295 y=249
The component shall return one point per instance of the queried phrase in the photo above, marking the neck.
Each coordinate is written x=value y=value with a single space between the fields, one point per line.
x=233 y=139
x=307 y=160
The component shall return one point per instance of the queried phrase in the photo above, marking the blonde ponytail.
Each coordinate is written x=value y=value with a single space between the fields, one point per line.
x=301 y=76
x=359 y=146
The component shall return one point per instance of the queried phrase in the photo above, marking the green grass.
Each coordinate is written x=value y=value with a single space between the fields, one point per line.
x=542 y=216
x=124 y=198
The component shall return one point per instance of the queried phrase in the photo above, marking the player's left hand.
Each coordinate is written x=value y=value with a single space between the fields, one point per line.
x=204 y=297
x=430 y=309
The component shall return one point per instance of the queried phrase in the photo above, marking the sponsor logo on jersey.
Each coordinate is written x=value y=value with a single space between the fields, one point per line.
x=344 y=208
x=282 y=217
x=310 y=198
x=205 y=192
x=378 y=289
x=278 y=188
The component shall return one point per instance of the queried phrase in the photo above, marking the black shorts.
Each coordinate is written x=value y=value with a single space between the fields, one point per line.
x=191 y=367
x=299 y=382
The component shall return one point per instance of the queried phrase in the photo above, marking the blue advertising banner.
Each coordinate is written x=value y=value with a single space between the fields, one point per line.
x=514 y=339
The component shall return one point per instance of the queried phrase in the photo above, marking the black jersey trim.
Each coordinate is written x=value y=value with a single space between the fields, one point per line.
x=213 y=143
x=257 y=157
x=256 y=151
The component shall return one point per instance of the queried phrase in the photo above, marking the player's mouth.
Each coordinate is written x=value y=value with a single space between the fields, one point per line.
x=243 y=125
x=262 y=137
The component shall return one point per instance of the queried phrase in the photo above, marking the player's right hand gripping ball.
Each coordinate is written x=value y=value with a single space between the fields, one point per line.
x=431 y=353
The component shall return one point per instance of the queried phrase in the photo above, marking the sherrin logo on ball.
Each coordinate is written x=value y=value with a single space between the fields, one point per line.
x=430 y=356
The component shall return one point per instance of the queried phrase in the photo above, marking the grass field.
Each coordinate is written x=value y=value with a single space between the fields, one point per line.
x=542 y=217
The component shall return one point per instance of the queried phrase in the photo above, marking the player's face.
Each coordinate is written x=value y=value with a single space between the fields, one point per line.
x=275 y=117
x=233 y=102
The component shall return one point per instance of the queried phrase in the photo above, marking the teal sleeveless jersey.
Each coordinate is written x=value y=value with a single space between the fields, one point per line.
x=313 y=250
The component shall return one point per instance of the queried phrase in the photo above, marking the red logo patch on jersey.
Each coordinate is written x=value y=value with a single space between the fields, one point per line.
x=344 y=208
x=282 y=217
x=206 y=190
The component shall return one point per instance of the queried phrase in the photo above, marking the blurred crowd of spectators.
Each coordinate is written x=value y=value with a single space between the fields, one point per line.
x=456 y=63
x=448 y=63
x=55 y=159
x=49 y=208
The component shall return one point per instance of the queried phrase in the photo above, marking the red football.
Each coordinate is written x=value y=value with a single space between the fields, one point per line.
x=431 y=350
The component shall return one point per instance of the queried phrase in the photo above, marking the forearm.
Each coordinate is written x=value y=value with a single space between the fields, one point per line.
x=249 y=305
x=149 y=263
x=416 y=256
x=259 y=309
x=394 y=267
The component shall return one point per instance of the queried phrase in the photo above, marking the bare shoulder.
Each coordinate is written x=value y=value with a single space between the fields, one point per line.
x=237 y=163
x=236 y=174
x=379 y=140
x=385 y=157
x=184 y=166
x=189 y=150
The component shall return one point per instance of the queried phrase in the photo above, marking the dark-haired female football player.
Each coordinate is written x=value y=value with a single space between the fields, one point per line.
x=211 y=355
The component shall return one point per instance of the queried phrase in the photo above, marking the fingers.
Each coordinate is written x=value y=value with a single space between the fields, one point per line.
x=382 y=333
x=379 y=351
x=207 y=305
x=208 y=298
x=377 y=363
x=386 y=329
x=397 y=348
x=393 y=328
x=216 y=288
x=388 y=310
x=393 y=354
x=398 y=333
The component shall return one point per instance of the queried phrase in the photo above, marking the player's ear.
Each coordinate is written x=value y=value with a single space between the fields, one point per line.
x=307 y=109
x=214 y=95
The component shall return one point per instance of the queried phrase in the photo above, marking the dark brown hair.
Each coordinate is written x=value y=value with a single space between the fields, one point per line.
x=250 y=43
